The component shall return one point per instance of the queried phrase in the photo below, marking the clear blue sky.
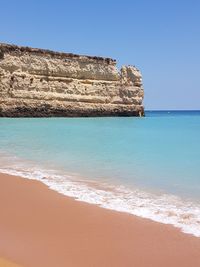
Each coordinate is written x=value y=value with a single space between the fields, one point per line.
x=162 y=38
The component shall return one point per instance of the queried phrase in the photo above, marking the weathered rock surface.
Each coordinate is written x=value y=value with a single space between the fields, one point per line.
x=37 y=83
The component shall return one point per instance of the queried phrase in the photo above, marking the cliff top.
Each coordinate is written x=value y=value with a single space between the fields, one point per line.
x=10 y=48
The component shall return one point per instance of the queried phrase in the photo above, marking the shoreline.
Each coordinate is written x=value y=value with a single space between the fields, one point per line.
x=184 y=214
x=40 y=227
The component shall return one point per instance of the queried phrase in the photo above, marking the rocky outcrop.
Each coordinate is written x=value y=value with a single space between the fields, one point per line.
x=40 y=83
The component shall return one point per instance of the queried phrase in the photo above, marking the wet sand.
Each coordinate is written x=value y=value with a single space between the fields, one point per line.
x=41 y=228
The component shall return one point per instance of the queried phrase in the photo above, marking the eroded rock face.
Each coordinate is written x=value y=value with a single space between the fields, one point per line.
x=40 y=83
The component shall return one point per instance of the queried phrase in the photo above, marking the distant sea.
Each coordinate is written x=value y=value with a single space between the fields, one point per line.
x=149 y=167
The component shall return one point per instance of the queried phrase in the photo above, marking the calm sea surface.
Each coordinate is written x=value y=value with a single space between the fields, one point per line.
x=145 y=166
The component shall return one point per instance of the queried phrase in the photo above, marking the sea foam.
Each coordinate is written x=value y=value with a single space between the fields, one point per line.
x=163 y=208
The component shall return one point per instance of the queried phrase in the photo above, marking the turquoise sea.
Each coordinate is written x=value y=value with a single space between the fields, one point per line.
x=148 y=166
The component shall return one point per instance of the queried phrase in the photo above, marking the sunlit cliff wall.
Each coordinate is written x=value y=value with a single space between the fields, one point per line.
x=42 y=83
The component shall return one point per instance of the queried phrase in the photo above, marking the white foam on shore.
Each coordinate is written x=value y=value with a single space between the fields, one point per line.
x=167 y=209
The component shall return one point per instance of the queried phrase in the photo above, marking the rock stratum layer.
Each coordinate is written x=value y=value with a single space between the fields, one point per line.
x=41 y=83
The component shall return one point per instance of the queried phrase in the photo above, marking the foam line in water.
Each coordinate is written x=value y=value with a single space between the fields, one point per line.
x=167 y=209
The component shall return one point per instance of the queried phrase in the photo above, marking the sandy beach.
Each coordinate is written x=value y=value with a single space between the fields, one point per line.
x=6 y=263
x=40 y=228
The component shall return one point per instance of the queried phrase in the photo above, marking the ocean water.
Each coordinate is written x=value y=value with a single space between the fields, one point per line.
x=149 y=167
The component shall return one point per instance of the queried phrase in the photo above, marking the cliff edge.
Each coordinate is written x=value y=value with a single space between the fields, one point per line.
x=42 y=83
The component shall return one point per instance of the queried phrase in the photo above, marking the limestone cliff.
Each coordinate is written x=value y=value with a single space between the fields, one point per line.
x=36 y=83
